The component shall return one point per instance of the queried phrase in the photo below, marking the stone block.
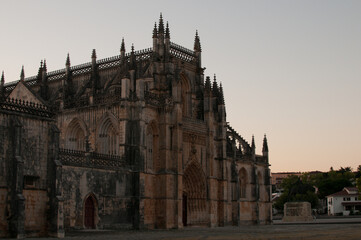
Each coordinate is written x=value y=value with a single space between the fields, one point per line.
x=297 y=211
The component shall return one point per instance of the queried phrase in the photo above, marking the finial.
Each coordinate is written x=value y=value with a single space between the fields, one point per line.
x=22 y=74
x=167 y=34
x=2 y=88
x=161 y=24
x=221 y=96
x=197 y=43
x=253 y=144
x=41 y=63
x=44 y=66
x=94 y=55
x=67 y=63
x=132 y=47
x=207 y=85
x=265 y=144
x=215 y=86
x=122 y=47
x=2 y=78
x=155 y=32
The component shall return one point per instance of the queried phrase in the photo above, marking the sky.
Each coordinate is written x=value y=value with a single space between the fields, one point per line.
x=289 y=69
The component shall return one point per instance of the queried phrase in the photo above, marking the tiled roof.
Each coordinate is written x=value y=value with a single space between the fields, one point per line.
x=344 y=192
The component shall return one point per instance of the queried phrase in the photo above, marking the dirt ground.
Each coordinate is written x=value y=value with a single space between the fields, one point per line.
x=332 y=231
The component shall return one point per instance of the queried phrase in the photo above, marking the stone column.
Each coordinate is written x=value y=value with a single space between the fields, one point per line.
x=17 y=218
x=56 y=216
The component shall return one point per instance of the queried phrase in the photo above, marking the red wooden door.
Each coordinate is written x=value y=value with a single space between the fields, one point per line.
x=89 y=213
x=184 y=210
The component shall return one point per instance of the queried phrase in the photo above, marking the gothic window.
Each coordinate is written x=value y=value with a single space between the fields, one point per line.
x=108 y=139
x=243 y=183
x=260 y=184
x=186 y=98
x=75 y=136
x=151 y=146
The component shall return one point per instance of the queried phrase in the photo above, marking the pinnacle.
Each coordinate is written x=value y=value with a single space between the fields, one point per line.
x=221 y=96
x=2 y=78
x=22 y=74
x=94 y=55
x=161 y=24
x=167 y=34
x=122 y=47
x=67 y=63
x=265 y=144
x=44 y=66
x=207 y=85
x=197 y=43
x=155 y=32
x=215 y=87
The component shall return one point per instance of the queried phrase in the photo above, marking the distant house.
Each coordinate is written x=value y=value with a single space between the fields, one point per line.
x=344 y=202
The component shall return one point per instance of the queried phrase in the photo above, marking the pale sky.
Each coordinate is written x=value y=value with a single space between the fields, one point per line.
x=290 y=69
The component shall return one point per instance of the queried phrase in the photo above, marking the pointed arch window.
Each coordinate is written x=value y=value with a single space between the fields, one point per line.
x=243 y=183
x=75 y=137
x=108 y=139
x=151 y=142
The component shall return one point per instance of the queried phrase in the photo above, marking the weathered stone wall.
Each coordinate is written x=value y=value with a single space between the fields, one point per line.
x=30 y=179
x=3 y=213
x=112 y=191
x=36 y=202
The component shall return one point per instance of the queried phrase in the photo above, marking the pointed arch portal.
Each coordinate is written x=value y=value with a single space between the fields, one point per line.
x=89 y=213
x=195 y=196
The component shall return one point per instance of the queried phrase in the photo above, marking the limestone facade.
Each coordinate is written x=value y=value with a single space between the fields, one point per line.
x=138 y=140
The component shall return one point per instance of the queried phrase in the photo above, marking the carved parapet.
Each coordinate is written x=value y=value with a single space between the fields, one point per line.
x=21 y=106
x=159 y=100
x=90 y=159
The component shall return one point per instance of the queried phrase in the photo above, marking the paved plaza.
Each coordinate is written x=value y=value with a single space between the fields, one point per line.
x=329 y=231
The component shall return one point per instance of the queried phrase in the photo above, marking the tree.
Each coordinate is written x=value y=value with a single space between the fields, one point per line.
x=296 y=189
x=332 y=181
x=358 y=181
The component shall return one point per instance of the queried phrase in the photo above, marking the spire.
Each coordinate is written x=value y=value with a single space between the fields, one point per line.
x=122 y=47
x=167 y=34
x=221 y=96
x=22 y=74
x=2 y=79
x=155 y=32
x=253 y=146
x=67 y=63
x=40 y=72
x=265 y=145
x=215 y=87
x=132 y=58
x=2 y=88
x=207 y=85
x=161 y=24
x=44 y=66
x=94 y=55
x=44 y=69
x=197 y=43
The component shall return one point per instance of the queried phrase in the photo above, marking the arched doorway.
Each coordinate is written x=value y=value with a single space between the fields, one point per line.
x=89 y=213
x=195 y=200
